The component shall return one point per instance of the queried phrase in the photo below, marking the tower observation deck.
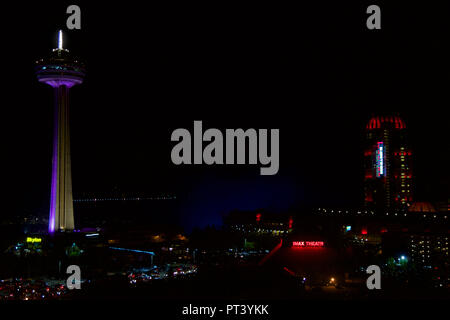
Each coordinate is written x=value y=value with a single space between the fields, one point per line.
x=61 y=71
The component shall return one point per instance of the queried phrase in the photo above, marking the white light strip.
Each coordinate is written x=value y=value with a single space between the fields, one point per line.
x=60 y=40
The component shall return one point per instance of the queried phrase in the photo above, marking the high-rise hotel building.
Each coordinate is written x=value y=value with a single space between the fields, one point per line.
x=387 y=165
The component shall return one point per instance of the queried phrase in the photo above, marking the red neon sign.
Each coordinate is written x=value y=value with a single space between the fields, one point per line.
x=307 y=244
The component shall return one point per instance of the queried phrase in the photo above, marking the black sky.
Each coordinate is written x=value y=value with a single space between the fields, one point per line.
x=313 y=71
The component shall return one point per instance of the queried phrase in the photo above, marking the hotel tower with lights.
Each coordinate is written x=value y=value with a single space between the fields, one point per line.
x=387 y=165
x=61 y=71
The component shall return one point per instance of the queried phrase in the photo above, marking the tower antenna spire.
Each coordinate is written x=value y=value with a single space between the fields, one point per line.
x=60 y=40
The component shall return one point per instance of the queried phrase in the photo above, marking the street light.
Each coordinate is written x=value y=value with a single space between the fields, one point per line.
x=332 y=281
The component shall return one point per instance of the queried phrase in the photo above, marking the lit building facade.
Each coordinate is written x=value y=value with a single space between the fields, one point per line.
x=61 y=71
x=387 y=165
x=429 y=250
x=259 y=223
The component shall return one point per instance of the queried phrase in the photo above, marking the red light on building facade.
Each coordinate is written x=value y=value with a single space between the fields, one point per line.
x=289 y=271
x=290 y=223
x=304 y=244
x=364 y=231
x=258 y=217
x=375 y=122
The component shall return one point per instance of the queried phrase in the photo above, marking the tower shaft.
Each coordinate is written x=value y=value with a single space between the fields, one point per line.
x=61 y=200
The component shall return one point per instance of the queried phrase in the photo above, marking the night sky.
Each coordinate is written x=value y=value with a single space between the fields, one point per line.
x=313 y=71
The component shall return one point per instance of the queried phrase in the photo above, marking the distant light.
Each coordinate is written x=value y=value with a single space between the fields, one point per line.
x=133 y=250
x=403 y=257
x=348 y=228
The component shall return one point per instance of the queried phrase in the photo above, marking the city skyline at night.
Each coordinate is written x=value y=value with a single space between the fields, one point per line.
x=269 y=153
x=121 y=134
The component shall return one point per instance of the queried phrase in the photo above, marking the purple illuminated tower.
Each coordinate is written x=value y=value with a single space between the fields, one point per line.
x=61 y=71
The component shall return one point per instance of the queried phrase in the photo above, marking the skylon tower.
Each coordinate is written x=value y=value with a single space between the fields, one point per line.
x=61 y=71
